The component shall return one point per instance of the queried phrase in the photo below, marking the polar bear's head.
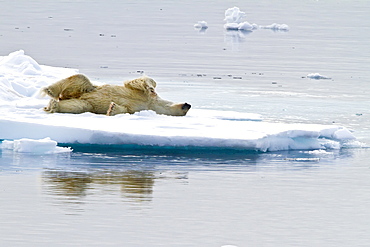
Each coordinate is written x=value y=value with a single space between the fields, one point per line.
x=165 y=107
x=147 y=86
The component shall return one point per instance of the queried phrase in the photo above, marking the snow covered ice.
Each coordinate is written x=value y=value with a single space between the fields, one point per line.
x=42 y=146
x=21 y=77
x=22 y=117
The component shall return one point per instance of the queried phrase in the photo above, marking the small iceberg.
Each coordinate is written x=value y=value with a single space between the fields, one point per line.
x=317 y=76
x=276 y=27
x=234 y=21
x=201 y=25
x=32 y=146
x=234 y=17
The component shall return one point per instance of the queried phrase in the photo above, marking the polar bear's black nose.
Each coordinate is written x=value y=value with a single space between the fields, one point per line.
x=186 y=106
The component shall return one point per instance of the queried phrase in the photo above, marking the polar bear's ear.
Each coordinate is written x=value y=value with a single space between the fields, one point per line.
x=142 y=84
x=150 y=82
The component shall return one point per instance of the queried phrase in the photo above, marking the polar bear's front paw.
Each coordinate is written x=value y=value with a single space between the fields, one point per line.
x=111 y=108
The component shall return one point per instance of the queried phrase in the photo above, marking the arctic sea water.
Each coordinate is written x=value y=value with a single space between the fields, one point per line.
x=109 y=196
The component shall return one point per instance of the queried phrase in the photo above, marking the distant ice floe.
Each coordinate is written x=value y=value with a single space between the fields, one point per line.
x=234 y=20
x=201 y=25
x=317 y=76
x=276 y=27
x=25 y=127
x=41 y=146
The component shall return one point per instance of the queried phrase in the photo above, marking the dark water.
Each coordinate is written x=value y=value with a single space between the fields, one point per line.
x=148 y=196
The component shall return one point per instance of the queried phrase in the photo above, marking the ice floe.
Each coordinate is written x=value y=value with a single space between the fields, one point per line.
x=22 y=117
x=276 y=27
x=234 y=20
x=317 y=76
x=201 y=25
x=41 y=146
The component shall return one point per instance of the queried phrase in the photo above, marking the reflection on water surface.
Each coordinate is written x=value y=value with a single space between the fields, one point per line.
x=133 y=174
x=134 y=185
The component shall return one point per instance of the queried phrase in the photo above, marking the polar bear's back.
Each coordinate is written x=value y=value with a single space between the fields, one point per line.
x=103 y=96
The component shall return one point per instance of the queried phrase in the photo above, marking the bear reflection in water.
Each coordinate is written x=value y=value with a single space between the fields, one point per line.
x=135 y=185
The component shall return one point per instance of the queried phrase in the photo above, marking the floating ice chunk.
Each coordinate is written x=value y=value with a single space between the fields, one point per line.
x=234 y=21
x=231 y=26
x=339 y=133
x=234 y=15
x=244 y=26
x=317 y=76
x=201 y=25
x=354 y=144
x=343 y=134
x=197 y=130
x=276 y=27
x=41 y=146
x=320 y=152
x=330 y=144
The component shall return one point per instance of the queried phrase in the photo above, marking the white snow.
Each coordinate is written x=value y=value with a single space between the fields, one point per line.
x=201 y=25
x=319 y=152
x=22 y=77
x=22 y=117
x=42 y=146
x=234 y=17
x=317 y=76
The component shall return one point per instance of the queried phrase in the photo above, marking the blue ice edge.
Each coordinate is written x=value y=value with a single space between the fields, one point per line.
x=176 y=150
x=298 y=144
x=154 y=149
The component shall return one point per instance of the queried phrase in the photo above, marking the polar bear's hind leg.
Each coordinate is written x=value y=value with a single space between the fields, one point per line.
x=69 y=106
x=68 y=88
x=52 y=106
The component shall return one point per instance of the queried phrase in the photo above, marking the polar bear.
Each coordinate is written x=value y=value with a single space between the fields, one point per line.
x=76 y=94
